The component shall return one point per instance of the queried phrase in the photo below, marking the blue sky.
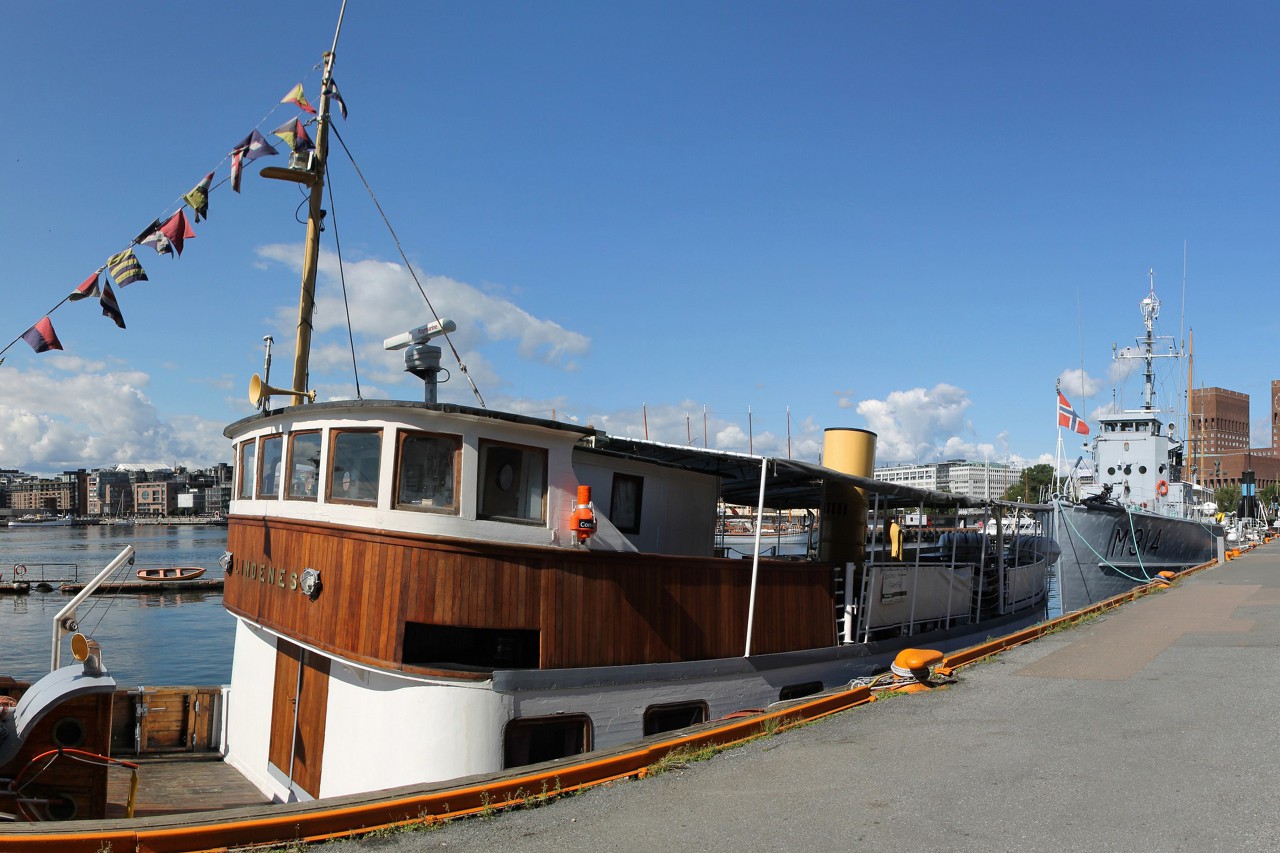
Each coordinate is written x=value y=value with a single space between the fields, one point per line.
x=909 y=217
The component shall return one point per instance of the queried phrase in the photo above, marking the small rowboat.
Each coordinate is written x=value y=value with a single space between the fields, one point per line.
x=171 y=573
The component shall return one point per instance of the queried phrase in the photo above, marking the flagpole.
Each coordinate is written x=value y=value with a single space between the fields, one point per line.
x=1057 y=462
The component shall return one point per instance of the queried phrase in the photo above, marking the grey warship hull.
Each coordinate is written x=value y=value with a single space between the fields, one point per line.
x=1108 y=549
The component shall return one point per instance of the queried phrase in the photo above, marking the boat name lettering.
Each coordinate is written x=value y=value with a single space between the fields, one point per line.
x=1139 y=542
x=267 y=575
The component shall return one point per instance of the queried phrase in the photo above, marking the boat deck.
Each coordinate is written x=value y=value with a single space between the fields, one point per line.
x=174 y=785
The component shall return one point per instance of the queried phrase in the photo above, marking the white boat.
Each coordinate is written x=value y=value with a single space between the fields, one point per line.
x=424 y=591
x=781 y=534
x=43 y=521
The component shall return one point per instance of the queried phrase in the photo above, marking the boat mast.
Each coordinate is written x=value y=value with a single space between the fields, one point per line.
x=1150 y=311
x=312 y=174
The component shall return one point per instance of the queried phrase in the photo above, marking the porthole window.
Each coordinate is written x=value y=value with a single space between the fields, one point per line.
x=1142 y=469
x=798 y=691
x=68 y=732
x=677 y=715
x=532 y=740
x=1111 y=470
x=62 y=806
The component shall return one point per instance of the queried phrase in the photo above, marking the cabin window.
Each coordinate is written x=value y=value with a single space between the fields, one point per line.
x=248 y=452
x=513 y=482
x=533 y=740
x=68 y=732
x=625 y=500
x=453 y=646
x=269 y=467
x=678 y=715
x=304 y=466
x=353 y=473
x=798 y=691
x=427 y=471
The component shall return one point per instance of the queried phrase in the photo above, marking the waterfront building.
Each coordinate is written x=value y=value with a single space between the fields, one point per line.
x=156 y=497
x=979 y=480
x=67 y=493
x=1220 y=451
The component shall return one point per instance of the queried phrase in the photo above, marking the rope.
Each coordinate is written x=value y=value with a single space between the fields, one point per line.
x=458 y=357
x=1105 y=561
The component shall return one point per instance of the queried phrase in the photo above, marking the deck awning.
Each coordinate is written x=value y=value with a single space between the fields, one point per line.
x=790 y=483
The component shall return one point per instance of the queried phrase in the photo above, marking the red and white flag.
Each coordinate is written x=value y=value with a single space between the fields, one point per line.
x=1069 y=418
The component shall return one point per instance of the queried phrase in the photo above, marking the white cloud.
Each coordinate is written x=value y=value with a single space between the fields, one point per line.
x=384 y=301
x=920 y=424
x=70 y=413
x=1077 y=385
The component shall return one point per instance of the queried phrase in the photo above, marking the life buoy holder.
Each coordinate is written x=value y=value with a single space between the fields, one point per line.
x=1162 y=488
x=583 y=520
x=19 y=570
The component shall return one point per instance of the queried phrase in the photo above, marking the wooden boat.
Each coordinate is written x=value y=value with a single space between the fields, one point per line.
x=524 y=589
x=170 y=573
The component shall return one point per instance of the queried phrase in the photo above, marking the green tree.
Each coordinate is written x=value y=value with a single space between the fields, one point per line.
x=1227 y=498
x=1269 y=495
x=1036 y=482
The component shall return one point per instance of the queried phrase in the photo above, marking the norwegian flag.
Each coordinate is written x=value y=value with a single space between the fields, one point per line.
x=1069 y=418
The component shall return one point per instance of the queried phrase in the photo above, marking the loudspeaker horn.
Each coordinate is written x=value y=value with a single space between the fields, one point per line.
x=259 y=389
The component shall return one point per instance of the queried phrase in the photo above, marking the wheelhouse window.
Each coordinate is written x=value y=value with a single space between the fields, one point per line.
x=513 y=482
x=427 y=471
x=269 y=467
x=304 y=466
x=248 y=452
x=353 y=469
x=625 y=500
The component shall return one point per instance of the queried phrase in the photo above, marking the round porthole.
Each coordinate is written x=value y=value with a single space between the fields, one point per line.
x=1142 y=469
x=61 y=807
x=68 y=732
x=1111 y=471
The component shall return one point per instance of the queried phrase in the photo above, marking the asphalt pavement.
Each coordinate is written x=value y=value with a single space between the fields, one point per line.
x=1151 y=728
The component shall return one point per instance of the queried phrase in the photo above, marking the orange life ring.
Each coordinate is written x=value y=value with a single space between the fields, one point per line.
x=1162 y=488
x=19 y=570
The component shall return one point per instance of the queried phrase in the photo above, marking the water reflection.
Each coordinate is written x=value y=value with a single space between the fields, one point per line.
x=154 y=638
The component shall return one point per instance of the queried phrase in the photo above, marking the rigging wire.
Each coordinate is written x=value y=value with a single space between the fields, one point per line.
x=342 y=277
x=457 y=356
x=117 y=582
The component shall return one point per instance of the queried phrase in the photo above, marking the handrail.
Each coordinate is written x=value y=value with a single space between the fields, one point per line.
x=66 y=615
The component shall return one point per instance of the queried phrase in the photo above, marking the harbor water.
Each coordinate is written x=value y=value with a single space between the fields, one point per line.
x=162 y=638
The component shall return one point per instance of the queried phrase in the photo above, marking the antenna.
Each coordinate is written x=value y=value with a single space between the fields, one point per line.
x=421 y=358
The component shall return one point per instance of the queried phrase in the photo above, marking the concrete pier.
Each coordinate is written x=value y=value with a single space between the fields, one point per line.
x=1153 y=727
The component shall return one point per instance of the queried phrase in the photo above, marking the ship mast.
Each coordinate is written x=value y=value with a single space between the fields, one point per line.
x=1150 y=311
x=310 y=173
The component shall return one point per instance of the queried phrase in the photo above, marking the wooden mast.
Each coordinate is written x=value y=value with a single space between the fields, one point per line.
x=311 y=254
x=311 y=174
